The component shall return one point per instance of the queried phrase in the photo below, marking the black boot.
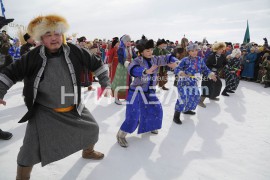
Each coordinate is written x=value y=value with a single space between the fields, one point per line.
x=266 y=85
x=224 y=93
x=230 y=91
x=5 y=135
x=189 y=112
x=176 y=117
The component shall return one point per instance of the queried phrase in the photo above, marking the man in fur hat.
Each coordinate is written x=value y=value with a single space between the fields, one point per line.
x=214 y=62
x=58 y=123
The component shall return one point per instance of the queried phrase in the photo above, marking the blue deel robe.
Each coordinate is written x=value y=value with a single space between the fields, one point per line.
x=143 y=109
x=188 y=90
x=249 y=66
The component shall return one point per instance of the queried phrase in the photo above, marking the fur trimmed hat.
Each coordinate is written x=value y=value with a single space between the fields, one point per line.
x=145 y=45
x=219 y=45
x=43 y=24
x=125 y=38
x=235 y=52
x=192 y=46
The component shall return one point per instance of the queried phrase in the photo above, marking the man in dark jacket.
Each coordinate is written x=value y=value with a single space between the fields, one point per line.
x=58 y=123
x=30 y=43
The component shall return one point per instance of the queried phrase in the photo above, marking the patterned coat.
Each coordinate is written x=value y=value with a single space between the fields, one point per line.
x=15 y=52
x=188 y=91
x=231 y=78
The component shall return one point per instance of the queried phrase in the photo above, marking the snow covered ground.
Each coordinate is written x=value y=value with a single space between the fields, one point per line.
x=229 y=140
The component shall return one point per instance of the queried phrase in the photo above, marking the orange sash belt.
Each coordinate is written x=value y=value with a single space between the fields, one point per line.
x=66 y=109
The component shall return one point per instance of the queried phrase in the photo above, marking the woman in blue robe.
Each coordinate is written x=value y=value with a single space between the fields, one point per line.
x=189 y=70
x=249 y=65
x=143 y=109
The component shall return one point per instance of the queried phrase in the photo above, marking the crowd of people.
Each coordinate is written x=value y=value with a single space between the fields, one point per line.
x=48 y=61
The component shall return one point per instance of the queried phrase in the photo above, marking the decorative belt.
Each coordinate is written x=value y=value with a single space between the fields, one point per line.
x=66 y=109
x=190 y=76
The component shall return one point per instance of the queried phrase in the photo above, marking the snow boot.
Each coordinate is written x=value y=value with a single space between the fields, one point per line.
x=90 y=153
x=224 y=93
x=23 y=172
x=121 y=138
x=176 y=117
x=201 y=102
x=154 y=132
x=189 y=112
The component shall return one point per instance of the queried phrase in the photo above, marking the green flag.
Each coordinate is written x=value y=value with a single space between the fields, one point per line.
x=247 y=36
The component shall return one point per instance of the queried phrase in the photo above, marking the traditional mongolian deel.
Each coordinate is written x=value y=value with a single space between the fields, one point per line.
x=143 y=107
x=211 y=88
x=65 y=133
x=188 y=91
x=231 y=78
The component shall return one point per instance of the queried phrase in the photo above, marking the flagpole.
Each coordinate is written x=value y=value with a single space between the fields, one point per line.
x=2 y=8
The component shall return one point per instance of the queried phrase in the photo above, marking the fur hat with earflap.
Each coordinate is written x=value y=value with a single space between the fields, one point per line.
x=50 y=23
x=219 y=45
x=235 y=52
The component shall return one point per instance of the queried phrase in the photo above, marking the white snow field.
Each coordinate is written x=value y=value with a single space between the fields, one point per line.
x=229 y=140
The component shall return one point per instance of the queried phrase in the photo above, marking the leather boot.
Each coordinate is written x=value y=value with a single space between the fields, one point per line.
x=176 y=117
x=121 y=138
x=5 y=135
x=23 y=173
x=201 y=102
x=90 y=153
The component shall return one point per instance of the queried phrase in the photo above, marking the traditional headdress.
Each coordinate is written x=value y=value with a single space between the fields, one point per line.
x=192 y=46
x=50 y=23
x=219 y=45
x=145 y=45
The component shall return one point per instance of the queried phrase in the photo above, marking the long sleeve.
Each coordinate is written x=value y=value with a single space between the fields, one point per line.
x=111 y=55
x=180 y=67
x=23 y=50
x=163 y=60
x=205 y=70
x=120 y=53
x=136 y=71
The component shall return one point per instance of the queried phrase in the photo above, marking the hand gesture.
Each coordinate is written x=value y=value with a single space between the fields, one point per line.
x=151 y=70
x=182 y=73
x=3 y=102
x=214 y=78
